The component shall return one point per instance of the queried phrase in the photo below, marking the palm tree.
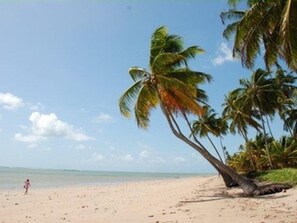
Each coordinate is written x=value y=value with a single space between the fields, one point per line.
x=258 y=149
x=285 y=82
x=173 y=86
x=208 y=123
x=287 y=110
x=240 y=117
x=240 y=161
x=238 y=113
x=167 y=82
x=290 y=117
x=261 y=94
x=284 y=152
x=265 y=23
x=254 y=149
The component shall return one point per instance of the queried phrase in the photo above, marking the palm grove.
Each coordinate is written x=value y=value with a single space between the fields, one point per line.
x=176 y=89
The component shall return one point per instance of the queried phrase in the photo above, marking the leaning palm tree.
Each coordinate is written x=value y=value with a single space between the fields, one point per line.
x=209 y=123
x=267 y=24
x=172 y=85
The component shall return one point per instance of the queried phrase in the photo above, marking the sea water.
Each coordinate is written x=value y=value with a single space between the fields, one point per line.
x=13 y=178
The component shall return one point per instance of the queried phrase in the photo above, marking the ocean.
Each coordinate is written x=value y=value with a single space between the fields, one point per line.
x=13 y=178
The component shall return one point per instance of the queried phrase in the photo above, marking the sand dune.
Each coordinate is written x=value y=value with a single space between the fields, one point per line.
x=202 y=199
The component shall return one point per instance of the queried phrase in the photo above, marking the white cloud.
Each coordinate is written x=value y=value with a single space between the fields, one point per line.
x=97 y=157
x=10 y=101
x=157 y=160
x=179 y=159
x=48 y=125
x=80 y=147
x=144 y=154
x=104 y=118
x=128 y=158
x=32 y=145
x=28 y=138
x=224 y=54
x=47 y=149
x=37 y=107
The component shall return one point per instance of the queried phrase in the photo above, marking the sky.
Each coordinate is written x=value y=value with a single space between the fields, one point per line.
x=64 y=64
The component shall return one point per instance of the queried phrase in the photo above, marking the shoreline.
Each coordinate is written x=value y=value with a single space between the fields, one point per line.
x=184 y=200
x=12 y=178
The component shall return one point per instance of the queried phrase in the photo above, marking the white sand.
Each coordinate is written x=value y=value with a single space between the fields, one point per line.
x=188 y=200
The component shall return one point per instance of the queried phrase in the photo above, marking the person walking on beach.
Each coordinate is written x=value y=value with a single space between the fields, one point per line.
x=26 y=186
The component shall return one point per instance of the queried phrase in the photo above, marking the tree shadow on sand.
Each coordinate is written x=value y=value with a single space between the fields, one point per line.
x=269 y=190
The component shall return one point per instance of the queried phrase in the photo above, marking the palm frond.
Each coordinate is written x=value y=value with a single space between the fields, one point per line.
x=137 y=73
x=201 y=96
x=233 y=3
x=191 y=52
x=272 y=51
x=190 y=77
x=127 y=98
x=158 y=41
x=179 y=95
x=231 y=15
x=229 y=30
x=173 y=44
x=179 y=101
x=147 y=99
x=173 y=83
x=164 y=62
x=268 y=23
x=288 y=32
x=248 y=36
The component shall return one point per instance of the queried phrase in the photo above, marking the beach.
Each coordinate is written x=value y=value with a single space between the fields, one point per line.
x=183 y=200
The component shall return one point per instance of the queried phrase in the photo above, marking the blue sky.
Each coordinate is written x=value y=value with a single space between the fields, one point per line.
x=64 y=65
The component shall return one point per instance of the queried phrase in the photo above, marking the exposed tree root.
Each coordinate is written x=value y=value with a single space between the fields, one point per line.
x=271 y=189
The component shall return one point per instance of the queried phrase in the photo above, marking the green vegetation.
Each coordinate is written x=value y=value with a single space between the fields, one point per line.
x=253 y=156
x=287 y=176
x=267 y=94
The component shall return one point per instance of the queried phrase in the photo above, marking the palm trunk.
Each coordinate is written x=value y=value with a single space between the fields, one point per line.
x=229 y=182
x=248 y=149
x=215 y=148
x=286 y=124
x=247 y=186
x=269 y=128
x=266 y=144
x=223 y=150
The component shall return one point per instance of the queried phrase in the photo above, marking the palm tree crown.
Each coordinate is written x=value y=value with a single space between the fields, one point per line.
x=170 y=81
x=272 y=24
